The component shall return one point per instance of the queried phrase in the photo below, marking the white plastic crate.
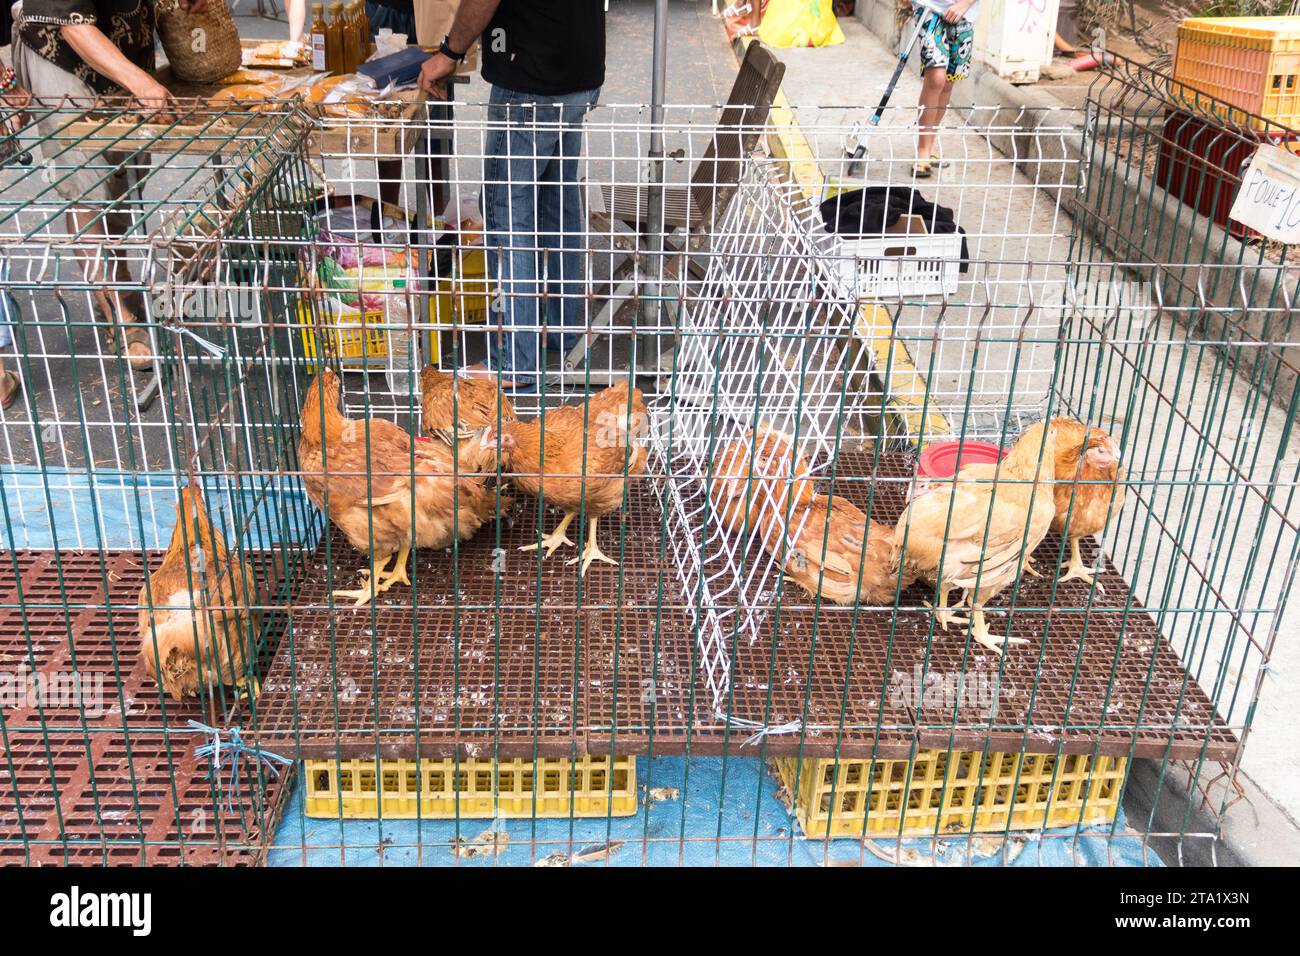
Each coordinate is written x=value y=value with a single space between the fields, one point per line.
x=890 y=266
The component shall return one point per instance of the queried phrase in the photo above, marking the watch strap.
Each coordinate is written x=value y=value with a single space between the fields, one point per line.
x=445 y=49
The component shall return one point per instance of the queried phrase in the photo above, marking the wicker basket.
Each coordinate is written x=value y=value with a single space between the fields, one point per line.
x=201 y=47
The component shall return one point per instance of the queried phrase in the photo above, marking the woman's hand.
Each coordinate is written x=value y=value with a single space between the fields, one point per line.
x=99 y=53
x=154 y=98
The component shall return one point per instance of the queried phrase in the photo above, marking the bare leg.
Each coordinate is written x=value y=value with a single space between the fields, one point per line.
x=555 y=538
x=935 y=92
x=102 y=268
x=941 y=108
x=592 y=551
x=1077 y=568
x=297 y=15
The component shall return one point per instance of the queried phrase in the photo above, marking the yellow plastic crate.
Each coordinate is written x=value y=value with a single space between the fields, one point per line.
x=948 y=790
x=1250 y=62
x=352 y=337
x=463 y=298
x=589 y=787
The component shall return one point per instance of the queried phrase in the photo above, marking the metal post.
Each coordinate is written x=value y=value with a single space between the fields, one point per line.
x=650 y=291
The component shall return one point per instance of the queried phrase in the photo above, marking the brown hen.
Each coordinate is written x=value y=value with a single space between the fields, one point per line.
x=374 y=475
x=1087 y=490
x=975 y=535
x=751 y=478
x=195 y=623
x=827 y=554
x=461 y=406
x=550 y=463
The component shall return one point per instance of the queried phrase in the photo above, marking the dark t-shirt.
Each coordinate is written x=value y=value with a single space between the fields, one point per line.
x=551 y=47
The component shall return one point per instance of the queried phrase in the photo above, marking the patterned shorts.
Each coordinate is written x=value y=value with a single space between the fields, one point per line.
x=947 y=45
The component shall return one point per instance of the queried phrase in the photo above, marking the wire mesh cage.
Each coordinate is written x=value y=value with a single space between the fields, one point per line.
x=413 y=364
x=141 y=268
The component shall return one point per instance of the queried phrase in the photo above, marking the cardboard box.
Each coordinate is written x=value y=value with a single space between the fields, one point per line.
x=433 y=20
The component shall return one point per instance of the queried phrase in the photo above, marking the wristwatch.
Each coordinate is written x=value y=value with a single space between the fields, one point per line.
x=445 y=49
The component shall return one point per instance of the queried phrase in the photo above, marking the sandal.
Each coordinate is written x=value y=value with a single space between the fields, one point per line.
x=11 y=387
x=922 y=169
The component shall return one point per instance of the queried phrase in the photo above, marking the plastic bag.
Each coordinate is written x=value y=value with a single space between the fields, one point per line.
x=792 y=23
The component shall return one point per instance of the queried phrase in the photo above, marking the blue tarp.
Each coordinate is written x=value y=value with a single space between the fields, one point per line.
x=733 y=799
x=126 y=510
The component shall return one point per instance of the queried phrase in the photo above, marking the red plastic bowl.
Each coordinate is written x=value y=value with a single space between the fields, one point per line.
x=944 y=459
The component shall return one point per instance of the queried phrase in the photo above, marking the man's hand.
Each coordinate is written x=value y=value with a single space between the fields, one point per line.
x=958 y=10
x=193 y=6
x=436 y=69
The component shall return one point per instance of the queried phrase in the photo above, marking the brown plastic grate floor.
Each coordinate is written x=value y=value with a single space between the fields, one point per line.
x=616 y=667
x=514 y=681
x=117 y=790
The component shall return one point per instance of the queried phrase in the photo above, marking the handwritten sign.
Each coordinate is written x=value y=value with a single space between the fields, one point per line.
x=1269 y=198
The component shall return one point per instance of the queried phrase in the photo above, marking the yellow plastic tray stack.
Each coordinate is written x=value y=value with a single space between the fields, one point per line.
x=462 y=298
x=353 y=338
x=1250 y=62
x=958 y=791
x=443 y=789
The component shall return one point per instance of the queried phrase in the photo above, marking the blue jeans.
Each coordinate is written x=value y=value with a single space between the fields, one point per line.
x=532 y=205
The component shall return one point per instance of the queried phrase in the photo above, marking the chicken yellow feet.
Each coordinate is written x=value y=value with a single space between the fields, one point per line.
x=1077 y=569
x=556 y=538
x=397 y=573
x=979 y=632
x=249 y=689
x=1028 y=567
x=362 y=595
x=942 y=615
x=592 y=552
